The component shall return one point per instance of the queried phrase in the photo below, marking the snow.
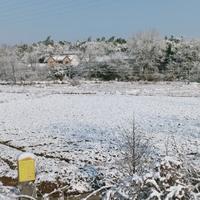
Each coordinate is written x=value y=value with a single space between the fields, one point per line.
x=76 y=136
x=74 y=60
x=175 y=191
x=25 y=155
x=6 y=193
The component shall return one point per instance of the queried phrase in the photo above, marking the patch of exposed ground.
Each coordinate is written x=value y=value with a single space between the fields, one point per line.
x=8 y=181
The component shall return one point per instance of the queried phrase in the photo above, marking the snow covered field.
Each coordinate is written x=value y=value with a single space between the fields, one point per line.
x=74 y=131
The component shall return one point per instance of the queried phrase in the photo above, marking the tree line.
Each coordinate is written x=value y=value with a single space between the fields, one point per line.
x=144 y=56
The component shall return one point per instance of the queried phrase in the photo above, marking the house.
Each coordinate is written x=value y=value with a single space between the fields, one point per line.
x=65 y=59
x=55 y=60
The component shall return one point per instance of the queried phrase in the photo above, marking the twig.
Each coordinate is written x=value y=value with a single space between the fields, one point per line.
x=96 y=191
x=58 y=190
x=22 y=196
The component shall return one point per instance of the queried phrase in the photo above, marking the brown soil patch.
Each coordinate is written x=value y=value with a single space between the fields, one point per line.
x=47 y=187
x=8 y=181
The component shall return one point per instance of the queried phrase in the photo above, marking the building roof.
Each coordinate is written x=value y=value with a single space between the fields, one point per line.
x=74 y=59
x=59 y=57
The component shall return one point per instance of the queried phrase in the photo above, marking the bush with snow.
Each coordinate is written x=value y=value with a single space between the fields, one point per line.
x=167 y=181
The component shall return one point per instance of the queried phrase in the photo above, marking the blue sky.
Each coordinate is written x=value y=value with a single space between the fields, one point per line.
x=33 y=20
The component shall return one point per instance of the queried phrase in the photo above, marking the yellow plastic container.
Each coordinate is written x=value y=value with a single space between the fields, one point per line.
x=26 y=170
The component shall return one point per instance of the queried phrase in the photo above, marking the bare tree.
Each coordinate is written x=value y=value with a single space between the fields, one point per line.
x=8 y=63
x=136 y=149
x=13 y=62
x=32 y=60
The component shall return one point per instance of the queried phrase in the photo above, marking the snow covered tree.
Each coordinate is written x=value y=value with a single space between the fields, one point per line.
x=146 y=49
